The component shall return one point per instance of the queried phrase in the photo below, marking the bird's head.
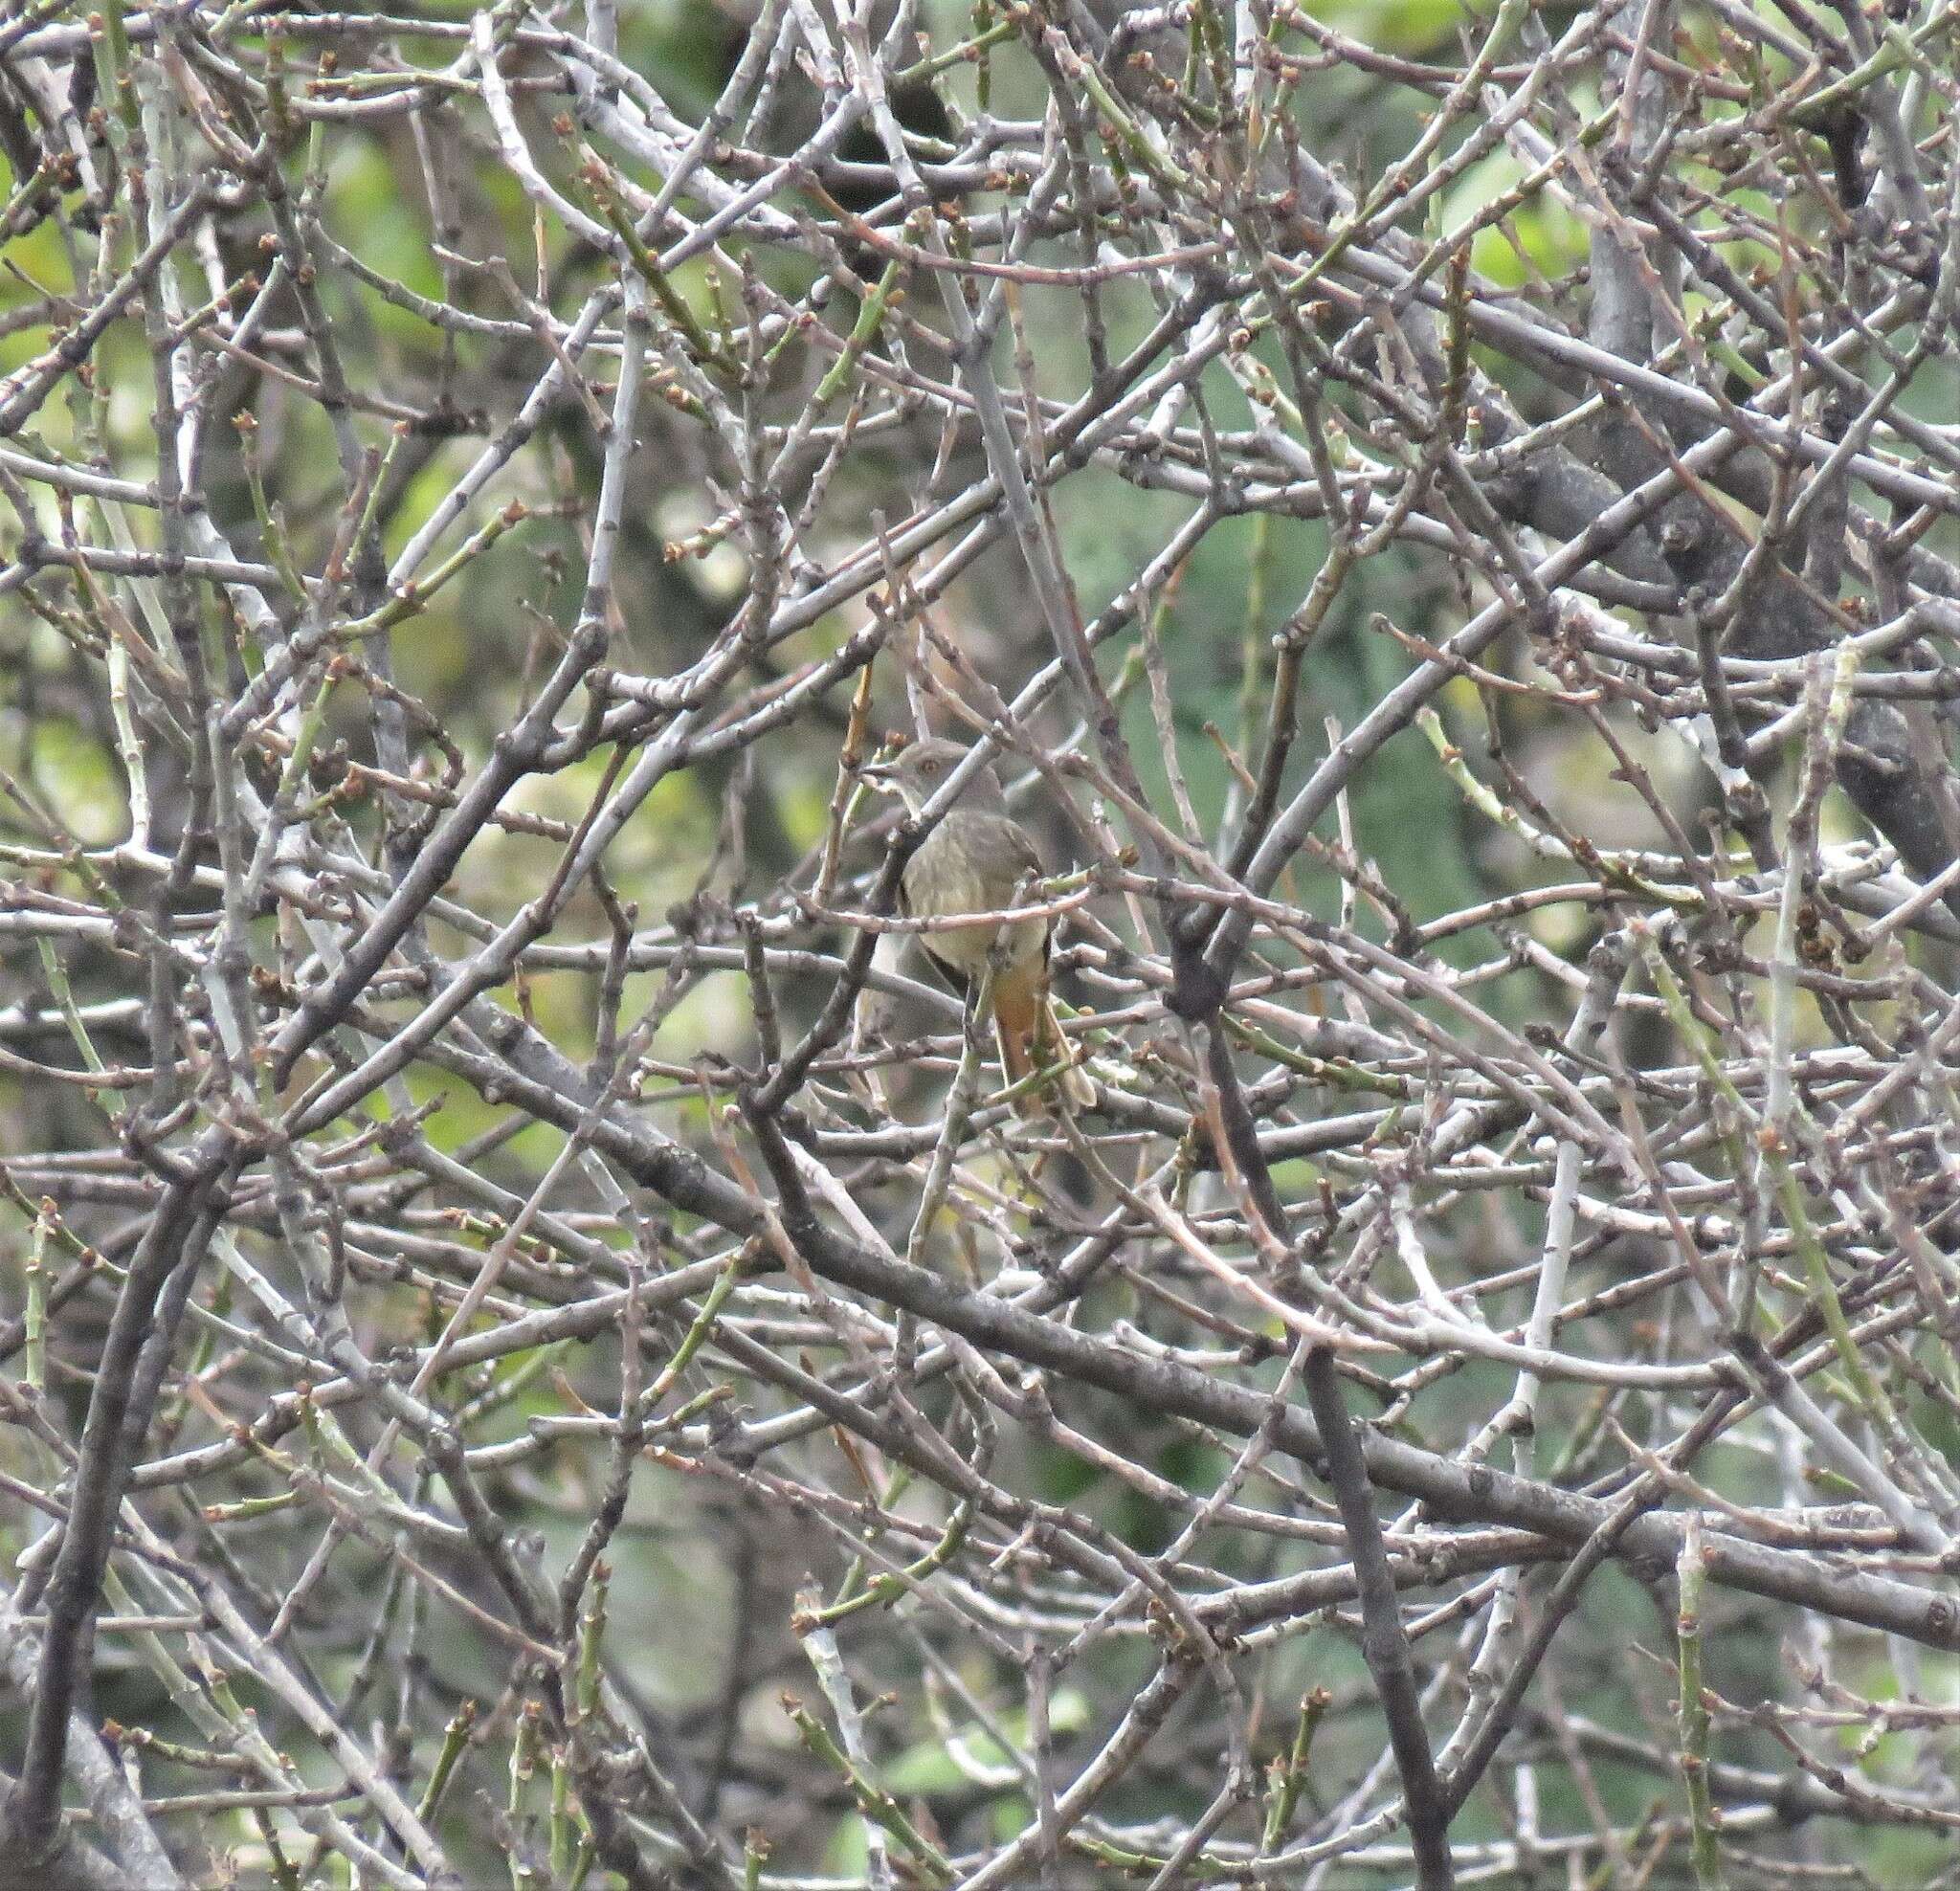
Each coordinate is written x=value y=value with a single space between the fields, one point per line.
x=918 y=770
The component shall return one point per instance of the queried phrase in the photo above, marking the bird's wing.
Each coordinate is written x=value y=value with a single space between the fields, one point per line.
x=1004 y=853
x=1008 y=861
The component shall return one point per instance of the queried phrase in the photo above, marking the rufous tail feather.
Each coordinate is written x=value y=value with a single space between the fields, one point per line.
x=1030 y=1036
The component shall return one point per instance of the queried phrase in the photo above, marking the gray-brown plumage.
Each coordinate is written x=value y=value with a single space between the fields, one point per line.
x=975 y=860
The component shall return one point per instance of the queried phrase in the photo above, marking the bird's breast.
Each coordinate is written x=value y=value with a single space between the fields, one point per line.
x=947 y=874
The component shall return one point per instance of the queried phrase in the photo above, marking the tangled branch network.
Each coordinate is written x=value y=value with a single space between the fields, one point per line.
x=534 y=1344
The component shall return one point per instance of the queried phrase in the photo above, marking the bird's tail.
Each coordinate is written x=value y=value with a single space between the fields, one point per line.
x=1031 y=1039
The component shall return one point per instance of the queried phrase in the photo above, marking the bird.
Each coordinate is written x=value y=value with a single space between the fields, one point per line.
x=975 y=860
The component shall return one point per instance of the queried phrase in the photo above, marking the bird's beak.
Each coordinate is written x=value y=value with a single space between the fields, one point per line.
x=883 y=776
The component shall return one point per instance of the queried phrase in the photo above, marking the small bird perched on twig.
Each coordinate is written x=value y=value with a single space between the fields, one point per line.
x=977 y=859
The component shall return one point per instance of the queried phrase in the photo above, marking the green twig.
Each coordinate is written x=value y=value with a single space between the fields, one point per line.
x=1286 y=1776
x=1691 y=1567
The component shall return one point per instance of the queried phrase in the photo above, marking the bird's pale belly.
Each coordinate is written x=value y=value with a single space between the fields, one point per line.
x=940 y=879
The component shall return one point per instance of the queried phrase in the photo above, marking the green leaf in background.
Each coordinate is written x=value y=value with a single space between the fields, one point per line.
x=1413 y=26
x=926 y=1766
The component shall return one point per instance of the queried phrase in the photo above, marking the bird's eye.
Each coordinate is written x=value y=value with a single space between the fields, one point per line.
x=928 y=767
